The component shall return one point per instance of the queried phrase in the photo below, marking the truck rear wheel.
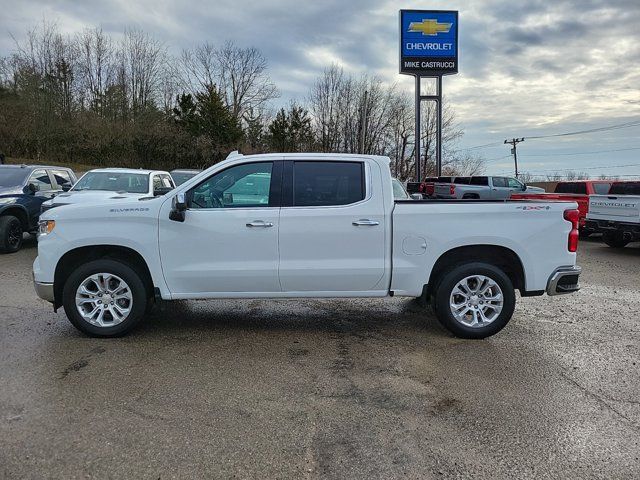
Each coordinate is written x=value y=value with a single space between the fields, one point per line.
x=10 y=234
x=104 y=298
x=615 y=239
x=475 y=300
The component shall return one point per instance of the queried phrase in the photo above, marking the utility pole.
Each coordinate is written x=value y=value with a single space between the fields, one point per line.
x=363 y=124
x=513 y=142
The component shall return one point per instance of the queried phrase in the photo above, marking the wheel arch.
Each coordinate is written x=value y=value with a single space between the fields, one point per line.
x=77 y=256
x=19 y=212
x=502 y=257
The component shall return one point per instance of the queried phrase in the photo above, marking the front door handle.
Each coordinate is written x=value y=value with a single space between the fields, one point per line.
x=364 y=222
x=259 y=224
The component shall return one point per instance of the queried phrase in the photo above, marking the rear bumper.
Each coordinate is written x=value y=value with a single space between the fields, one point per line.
x=614 y=226
x=564 y=280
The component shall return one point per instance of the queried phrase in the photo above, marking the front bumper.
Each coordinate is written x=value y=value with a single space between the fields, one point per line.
x=44 y=291
x=564 y=280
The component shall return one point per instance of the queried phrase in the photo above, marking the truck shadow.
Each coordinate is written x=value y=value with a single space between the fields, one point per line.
x=358 y=317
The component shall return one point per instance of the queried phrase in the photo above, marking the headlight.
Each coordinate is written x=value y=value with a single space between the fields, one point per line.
x=45 y=227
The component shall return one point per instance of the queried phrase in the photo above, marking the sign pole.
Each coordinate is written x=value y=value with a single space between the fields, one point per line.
x=418 y=142
x=439 y=150
x=428 y=48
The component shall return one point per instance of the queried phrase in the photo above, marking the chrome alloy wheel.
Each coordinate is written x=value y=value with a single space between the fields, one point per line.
x=476 y=301
x=104 y=300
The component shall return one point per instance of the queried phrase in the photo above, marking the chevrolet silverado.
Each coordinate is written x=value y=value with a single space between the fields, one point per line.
x=303 y=225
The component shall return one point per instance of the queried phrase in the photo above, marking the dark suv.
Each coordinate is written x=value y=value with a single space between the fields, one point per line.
x=23 y=188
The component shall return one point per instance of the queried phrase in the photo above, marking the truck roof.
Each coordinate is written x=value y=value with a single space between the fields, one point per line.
x=126 y=170
x=33 y=167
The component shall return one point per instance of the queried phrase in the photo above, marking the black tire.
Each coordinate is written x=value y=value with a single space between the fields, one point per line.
x=615 y=239
x=126 y=273
x=10 y=234
x=446 y=285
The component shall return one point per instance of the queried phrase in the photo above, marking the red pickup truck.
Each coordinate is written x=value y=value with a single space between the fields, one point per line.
x=572 y=191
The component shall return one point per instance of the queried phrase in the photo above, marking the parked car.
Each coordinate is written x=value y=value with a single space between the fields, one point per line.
x=320 y=225
x=617 y=214
x=425 y=187
x=103 y=183
x=481 y=187
x=572 y=191
x=183 y=174
x=400 y=193
x=23 y=189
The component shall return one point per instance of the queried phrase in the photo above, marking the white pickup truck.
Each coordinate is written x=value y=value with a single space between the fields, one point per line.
x=303 y=225
x=617 y=214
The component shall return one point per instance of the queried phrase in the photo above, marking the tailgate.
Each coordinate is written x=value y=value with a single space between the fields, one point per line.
x=621 y=208
x=442 y=189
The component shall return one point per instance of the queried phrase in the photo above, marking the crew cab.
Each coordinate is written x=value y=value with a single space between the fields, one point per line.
x=572 y=191
x=482 y=187
x=23 y=189
x=101 y=184
x=302 y=225
x=617 y=214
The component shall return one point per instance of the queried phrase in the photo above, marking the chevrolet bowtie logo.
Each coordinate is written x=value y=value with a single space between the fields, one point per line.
x=429 y=27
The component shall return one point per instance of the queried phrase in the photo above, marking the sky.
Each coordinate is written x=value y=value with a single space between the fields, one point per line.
x=527 y=68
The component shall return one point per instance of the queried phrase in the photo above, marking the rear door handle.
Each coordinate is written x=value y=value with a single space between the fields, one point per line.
x=259 y=224
x=364 y=222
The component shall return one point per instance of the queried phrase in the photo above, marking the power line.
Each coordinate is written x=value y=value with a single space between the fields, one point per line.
x=577 y=153
x=632 y=123
x=583 y=168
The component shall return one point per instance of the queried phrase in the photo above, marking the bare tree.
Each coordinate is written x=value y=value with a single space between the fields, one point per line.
x=243 y=79
x=96 y=60
x=141 y=59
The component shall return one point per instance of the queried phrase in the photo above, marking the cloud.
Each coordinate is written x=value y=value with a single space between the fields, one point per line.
x=525 y=66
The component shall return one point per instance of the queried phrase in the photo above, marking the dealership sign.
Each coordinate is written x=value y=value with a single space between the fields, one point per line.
x=428 y=42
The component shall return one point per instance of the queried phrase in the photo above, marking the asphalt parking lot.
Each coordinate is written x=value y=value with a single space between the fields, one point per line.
x=326 y=389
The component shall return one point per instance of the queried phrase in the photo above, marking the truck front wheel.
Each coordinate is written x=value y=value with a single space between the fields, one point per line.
x=104 y=298
x=10 y=234
x=475 y=300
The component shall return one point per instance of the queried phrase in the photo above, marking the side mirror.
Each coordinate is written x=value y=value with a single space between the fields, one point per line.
x=524 y=186
x=416 y=196
x=159 y=191
x=178 y=208
x=31 y=189
x=66 y=187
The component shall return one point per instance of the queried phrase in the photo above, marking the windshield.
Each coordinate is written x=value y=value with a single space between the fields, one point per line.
x=114 y=182
x=180 y=177
x=12 y=177
x=399 y=193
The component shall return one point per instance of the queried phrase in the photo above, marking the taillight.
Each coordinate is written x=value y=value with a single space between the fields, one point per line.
x=573 y=216
x=452 y=189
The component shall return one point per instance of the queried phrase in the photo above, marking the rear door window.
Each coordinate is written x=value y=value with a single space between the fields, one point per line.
x=479 y=181
x=462 y=180
x=625 y=188
x=327 y=183
x=578 y=188
x=41 y=179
